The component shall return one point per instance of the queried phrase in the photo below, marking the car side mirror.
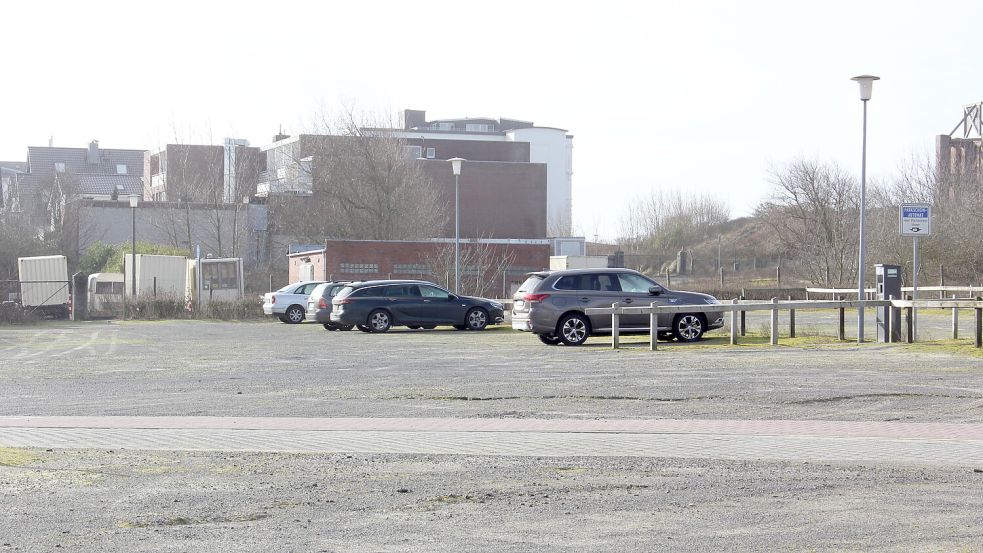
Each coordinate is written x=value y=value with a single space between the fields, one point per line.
x=655 y=290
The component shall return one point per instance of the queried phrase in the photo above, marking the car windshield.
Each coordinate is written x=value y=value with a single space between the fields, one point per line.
x=344 y=292
x=530 y=284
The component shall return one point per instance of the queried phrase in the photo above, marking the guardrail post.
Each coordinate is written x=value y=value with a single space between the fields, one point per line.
x=979 y=325
x=774 y=322
x=653 y=329
x=615 y=326
x=841 y=331
x=743 y=320
x=907 y=316
x=955 y=321
x=888 y=321
x=791 y=321
x=733 y=323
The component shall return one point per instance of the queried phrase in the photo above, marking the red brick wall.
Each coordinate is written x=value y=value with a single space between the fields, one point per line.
x=386 y=255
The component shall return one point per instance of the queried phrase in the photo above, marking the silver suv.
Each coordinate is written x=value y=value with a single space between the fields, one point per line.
x=551 y=305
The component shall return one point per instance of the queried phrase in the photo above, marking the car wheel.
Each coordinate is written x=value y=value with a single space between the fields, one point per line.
x=428 y=327
x=294 y=314
x=549 y=339
x=379 y=321
x=329 y=326
x=688 y=327
x=476 y=319
x=364 y=328
x=573 y=329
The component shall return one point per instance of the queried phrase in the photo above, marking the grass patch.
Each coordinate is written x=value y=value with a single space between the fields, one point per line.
x=11 y=457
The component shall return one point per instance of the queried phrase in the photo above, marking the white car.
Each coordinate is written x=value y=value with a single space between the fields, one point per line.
x=288 y=303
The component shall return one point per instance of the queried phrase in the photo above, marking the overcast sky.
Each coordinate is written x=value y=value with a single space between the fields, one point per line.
x=698 y=96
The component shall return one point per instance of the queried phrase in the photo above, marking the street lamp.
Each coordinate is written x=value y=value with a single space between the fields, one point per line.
x=866 y=84
x=134 y=200
x=456 y=168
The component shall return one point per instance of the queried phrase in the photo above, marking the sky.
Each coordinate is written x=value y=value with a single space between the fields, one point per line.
x=699 y=96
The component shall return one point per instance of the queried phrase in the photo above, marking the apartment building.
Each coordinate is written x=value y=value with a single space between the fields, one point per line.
x=225 y=173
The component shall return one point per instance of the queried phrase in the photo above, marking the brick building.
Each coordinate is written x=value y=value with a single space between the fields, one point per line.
x=488 y=267
x=204 y=173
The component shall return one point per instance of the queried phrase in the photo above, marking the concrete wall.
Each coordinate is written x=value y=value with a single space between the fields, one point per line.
x=212 y=227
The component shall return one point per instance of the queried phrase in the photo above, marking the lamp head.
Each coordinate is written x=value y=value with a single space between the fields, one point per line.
x=456 y=165
x=134 y=200
x=866 y=84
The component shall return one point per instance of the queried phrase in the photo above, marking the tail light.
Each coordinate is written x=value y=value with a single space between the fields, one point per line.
x=343 y=301
x=272 y=300
x=322 y=304
x=535 y=298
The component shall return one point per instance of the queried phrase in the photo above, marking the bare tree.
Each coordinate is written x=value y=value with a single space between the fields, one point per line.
x=364 y=185
x=813 y=212
x=483 y=267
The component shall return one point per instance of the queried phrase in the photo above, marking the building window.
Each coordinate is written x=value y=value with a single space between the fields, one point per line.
x=219 y=275
x=414 y=152
x=360 y=267
x=431 y=153
x=120 y=169
x=411 y=268
x=59 y=167
x=477 y=127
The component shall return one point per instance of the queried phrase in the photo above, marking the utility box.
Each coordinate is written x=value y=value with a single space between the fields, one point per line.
x=156 y=275
x=214 y=279
x=888 y=281
x=564 y=262
x=44 y=284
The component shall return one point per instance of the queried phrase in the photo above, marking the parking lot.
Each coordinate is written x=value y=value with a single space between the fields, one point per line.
x=354 y=487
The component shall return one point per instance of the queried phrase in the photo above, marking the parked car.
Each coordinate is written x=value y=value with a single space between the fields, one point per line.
x=377 y=306
x=551 y=304
x=290 y=302
x=319 y=304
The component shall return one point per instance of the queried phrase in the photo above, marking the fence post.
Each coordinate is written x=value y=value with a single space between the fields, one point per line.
x=979 y=325
x=955 y=321
x=743 y=319
x=774 y=322
x=841 y=331
x=615 y=324
x=733 y=324
x=942 y=281
x=791 y=321
x=653 y=328
x=907 y=316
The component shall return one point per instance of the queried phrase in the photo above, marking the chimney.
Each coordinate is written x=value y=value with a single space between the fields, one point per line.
x=280 y=136
x=93 y=156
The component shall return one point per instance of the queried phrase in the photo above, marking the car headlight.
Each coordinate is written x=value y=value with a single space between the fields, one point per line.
x=712 y=300
x=496 y=305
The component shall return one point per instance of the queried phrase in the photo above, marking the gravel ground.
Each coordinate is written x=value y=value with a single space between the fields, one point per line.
x=272 y=369
x=136 y=501
x=199 y=501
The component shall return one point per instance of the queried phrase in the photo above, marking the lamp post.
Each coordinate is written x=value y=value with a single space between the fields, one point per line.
x=456 y=168
x=134 y=200
x=866 y=84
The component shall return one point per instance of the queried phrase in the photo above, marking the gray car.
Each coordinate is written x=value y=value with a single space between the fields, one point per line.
x=551 y=304
x=319 y=304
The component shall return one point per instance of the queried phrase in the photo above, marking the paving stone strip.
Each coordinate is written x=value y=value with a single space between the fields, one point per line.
x=808 y=441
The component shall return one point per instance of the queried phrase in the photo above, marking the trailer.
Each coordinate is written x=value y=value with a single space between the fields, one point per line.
x=156 y=275
x=214 y=278
x=104 y=294
x=44 y=285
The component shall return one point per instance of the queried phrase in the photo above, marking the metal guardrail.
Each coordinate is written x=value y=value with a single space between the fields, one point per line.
x=972 y=291
x=738 y=309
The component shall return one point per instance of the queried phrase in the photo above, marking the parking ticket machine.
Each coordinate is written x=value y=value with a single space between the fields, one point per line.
x=888 y=281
